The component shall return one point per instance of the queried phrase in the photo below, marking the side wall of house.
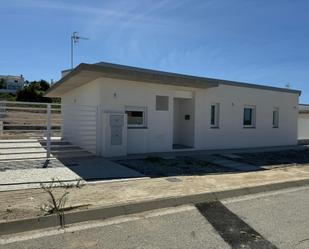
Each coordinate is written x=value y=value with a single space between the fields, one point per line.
x=79 y=115
x=231 y=132
x=303 y=126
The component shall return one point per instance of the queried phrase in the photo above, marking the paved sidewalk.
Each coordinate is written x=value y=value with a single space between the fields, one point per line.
x=27 y=203
x=24 y=174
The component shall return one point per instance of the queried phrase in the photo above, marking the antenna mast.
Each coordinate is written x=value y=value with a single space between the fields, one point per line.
x=75 y=39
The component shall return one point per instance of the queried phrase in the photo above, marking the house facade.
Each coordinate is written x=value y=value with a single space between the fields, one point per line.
x=11 y=83
x=144 y=111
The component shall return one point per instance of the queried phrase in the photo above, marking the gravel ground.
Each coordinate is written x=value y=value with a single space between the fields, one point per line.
x=275 y=159
x=160 y=167
x=29 y=164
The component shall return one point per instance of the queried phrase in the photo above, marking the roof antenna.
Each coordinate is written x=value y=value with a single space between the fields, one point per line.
x=288 y=85
x=75 y=39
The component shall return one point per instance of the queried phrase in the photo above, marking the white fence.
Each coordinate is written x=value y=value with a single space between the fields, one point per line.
x=34 y=130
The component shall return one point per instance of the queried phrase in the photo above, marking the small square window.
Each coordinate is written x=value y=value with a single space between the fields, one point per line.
x=249 y=117
x=136 y=116
x=214 y=115
x=161 y=103
x=275 y=117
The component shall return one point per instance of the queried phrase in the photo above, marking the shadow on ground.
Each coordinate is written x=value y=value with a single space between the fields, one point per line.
x=276 y=158
x=95 y=168
x=153 y=166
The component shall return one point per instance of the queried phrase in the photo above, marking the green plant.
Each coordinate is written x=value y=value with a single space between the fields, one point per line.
x=7 y=96
x=2 y=83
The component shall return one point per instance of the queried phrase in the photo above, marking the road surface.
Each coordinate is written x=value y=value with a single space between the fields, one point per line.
x=264 y=221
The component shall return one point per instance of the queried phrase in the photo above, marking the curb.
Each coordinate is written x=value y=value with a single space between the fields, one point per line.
x=30 y=224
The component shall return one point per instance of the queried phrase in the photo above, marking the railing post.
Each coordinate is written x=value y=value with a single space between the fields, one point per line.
x=48 y=131
x=1 y=127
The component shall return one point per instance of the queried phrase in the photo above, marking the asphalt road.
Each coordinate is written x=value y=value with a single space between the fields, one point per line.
x=265 y=221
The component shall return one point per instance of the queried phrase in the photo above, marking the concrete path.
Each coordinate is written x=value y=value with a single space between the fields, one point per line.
x=31 y=178
x=27 y=203
x=30 y=173
x=98 y=168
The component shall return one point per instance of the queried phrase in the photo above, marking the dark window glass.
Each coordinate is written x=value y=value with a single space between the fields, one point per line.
x=135 y=117
x=213 y=115
x=248 y=116
x=275 y=118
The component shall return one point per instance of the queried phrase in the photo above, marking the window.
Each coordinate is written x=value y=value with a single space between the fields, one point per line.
x=249 y=117
x=275 y=117
x=136 y=116
x=161 y=103
x=214 y=115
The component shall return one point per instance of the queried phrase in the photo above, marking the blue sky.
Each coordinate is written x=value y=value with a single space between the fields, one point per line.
x=255 y=41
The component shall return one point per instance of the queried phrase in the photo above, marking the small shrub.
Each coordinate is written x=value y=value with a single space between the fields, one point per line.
x=56 y=204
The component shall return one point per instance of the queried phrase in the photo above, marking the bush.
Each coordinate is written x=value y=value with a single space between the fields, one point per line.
x=34 y=92
x=7 y=96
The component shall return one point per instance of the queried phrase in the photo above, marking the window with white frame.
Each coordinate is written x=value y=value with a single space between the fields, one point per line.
x=214 y=115
x=249 y=117
x=136 y=116
x=276 y=117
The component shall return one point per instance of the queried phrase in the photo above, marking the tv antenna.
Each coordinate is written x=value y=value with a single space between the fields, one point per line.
x=75 y=39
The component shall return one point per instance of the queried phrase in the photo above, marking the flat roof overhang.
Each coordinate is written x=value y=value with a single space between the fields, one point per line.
x=85 y=73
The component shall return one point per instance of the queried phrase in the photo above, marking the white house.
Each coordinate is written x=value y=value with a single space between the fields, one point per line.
x=11 y=83
x=133 y=110
x=303 y=122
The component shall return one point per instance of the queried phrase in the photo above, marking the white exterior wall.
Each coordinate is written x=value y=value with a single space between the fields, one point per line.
x=158 y=137
x=231 y=133
x=79 y=114
x=303 y=126
x=113 y=95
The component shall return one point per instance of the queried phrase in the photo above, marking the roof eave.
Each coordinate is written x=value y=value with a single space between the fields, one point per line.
x=133 y=75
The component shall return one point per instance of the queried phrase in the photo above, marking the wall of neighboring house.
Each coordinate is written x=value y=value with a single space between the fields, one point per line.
x=303 y=126
x=12 y=84
x=114 y=95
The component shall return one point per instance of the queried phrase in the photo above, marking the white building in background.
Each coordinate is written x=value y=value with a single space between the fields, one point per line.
x=132 y=110
x=303 y=122
x=11 y=84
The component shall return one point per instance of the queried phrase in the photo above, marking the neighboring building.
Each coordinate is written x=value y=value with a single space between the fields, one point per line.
x=11 y=84
x=303 y=122
x=141 y=111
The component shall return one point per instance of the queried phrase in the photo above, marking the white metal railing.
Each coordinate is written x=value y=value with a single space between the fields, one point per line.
x=33 y=130
x=24 y=120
